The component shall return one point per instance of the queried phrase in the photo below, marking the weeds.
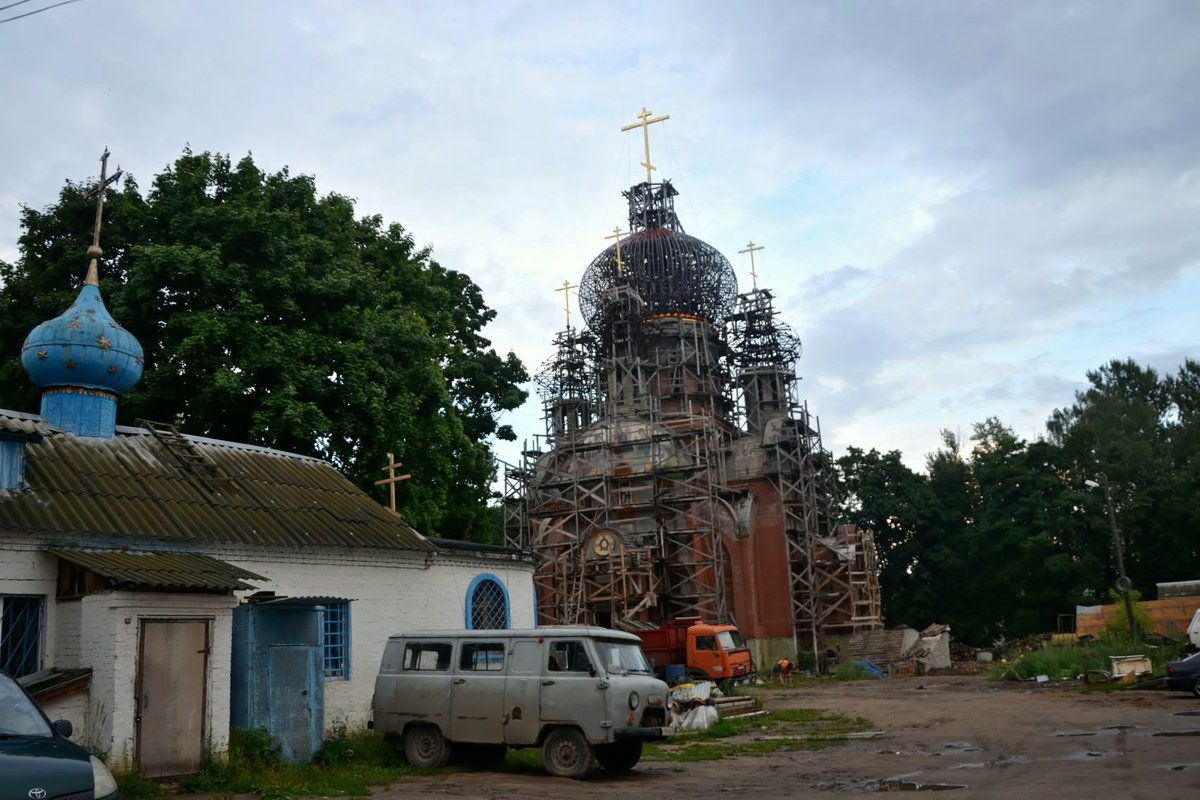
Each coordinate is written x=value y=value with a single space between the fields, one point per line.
x=1072 y=661
x=132 y=786
x=777 y=731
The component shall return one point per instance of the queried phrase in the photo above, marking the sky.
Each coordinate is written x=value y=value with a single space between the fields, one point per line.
x=965 y=206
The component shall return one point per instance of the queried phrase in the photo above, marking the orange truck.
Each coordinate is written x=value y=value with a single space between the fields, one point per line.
x=703 y=651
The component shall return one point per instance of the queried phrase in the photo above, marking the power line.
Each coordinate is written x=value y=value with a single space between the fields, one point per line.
x=10 y=5
x=31 y=13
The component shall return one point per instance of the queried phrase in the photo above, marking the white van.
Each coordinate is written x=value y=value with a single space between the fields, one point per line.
x=576 y=692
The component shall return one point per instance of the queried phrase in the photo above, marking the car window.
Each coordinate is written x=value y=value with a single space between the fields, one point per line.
x=568 y=656
x=19 y=716
x=423 y=656
x=482 y=657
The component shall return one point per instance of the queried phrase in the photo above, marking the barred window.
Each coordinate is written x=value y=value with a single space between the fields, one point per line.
x=337 y=641
x=20 y=634
x=487 y=604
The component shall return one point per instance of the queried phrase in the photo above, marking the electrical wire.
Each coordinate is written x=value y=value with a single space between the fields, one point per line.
x=10 y=5
x=31 y=13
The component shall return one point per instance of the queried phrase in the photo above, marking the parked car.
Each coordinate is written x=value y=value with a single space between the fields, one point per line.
x=1184 y=675
x=37 y=761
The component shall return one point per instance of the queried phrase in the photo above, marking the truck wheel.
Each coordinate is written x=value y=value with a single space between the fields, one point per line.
x=619 y=757
x=425 y=747
x=566 y=754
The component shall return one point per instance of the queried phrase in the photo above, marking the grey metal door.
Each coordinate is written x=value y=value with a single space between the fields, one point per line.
x=522 y=690
x=292 y=694
x=172 y=665
x=477 y=693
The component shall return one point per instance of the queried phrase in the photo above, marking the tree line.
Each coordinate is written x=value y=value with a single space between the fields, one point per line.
x=1000 y=535
x=273 y=315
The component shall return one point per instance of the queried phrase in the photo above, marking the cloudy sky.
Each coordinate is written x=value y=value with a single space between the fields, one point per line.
x=965 y=205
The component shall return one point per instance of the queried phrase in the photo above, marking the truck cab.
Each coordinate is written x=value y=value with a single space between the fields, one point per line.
x=717 y=651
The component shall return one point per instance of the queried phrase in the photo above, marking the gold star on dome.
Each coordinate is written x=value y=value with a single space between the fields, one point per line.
x=104 y=343
x=114 y=325
x=90 y=311
x=112 y=370
x=138 y=361
x=75 y=325
x=70 y=364
x=43 y=355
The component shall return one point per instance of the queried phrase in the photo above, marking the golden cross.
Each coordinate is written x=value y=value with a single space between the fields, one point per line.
x=94 y=252
x=617 y=234
x=646 y=122
x=392 y=479
x=751 y=248
x=566 y=288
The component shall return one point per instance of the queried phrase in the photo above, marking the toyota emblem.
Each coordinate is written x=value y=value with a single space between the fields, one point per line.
x=37 y=793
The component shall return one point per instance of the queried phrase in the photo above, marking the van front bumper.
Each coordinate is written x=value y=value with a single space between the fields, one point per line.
x=644 y=734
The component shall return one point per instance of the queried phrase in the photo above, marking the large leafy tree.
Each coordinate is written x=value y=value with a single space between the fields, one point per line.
x=274 y=315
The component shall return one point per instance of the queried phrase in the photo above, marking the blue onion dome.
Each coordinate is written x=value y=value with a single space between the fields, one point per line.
x=83 y=347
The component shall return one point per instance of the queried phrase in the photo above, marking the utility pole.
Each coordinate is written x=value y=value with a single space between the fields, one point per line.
x=1123 y=582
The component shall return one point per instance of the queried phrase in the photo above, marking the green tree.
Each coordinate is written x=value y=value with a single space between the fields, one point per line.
x=273 y=315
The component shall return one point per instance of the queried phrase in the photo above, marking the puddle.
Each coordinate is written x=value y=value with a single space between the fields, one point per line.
x=914 y=786
x=1187 y=714
x=962 y=747
x=1177 y=733
x=922 y=753
x=1184 y=767
x=1075 y=733
x=1003 y=761
x=1119 y=727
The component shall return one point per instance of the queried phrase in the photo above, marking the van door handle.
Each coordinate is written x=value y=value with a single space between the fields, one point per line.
x=547 y=683
x=460 y=680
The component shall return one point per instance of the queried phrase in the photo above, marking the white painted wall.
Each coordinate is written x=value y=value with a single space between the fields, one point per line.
x=391 y=591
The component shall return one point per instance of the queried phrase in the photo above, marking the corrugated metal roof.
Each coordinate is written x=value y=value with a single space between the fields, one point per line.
x=25 y=424
x=132 y=486
x=161 y=570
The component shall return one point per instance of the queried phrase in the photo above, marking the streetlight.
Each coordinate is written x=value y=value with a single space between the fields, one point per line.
x=1123 y=582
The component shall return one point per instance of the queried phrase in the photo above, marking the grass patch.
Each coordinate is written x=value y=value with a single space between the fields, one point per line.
x=132 y=786
x=1072 y=661
x=777 y=731
x=347 y=765
x=852 y=671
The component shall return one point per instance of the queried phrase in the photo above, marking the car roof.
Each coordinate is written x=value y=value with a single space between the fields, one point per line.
x=555 y=631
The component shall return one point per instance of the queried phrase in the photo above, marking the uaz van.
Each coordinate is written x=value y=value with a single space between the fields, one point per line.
x=576 y=692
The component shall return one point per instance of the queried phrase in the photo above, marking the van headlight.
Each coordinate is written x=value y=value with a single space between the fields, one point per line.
x=102 y=779
x=634 y=701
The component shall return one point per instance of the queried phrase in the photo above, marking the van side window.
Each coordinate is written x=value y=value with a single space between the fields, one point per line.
x=427 y=656
x=568 y=656
x=706 y=643
x=482 y=657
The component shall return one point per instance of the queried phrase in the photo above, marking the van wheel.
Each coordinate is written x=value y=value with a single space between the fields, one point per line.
x=1196 y=688
x=619 y=757
x=566 y=754
x=425 y=747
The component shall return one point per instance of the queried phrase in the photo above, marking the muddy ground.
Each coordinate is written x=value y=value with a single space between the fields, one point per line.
x=959 y=734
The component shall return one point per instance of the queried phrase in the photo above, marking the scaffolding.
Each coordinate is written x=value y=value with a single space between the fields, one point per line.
x=628 y=497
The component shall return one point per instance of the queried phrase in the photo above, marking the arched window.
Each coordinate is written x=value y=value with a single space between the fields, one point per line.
x=487 y=604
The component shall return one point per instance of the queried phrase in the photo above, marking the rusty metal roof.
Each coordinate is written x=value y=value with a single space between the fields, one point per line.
x=133 y=486
x=160 y=570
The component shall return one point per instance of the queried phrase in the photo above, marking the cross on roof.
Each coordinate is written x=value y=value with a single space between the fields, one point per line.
x=617 y=234
x=646 y=122
x=94 y=252
x=751 y=248
x=391 y=480
x=566 y=288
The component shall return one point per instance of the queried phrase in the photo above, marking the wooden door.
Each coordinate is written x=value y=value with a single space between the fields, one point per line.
x=170 y=702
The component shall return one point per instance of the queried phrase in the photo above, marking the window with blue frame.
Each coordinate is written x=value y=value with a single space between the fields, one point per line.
x=20 y=634
x=337 y=641
x=487 y=604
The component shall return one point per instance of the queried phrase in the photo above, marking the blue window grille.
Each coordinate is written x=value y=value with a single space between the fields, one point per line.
x=336 y=638
x=20 y=634
x=12 y=463
x=487 y=604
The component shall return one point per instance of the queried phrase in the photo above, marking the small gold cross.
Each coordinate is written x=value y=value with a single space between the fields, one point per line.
x=751 y=248
x=646 y=122
x=617 y=234
x=566 y=288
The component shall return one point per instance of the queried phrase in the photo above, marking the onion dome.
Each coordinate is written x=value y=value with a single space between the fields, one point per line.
x=672 y=272
x=84 y=347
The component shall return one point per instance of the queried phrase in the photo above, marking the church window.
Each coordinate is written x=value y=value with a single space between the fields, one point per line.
x=20 y=634
x=337 y=641
x=487 y=604
x=12 y=463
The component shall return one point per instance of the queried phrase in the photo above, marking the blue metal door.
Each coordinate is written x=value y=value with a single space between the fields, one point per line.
x=293 y=692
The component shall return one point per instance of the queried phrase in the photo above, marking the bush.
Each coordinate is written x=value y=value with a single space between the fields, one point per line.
x=1073 y=661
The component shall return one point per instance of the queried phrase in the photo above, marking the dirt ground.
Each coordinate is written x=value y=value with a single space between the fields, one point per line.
x=960 y=734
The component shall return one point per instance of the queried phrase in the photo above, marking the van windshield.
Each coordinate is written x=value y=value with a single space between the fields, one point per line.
x=622 y=657
x=731 y=640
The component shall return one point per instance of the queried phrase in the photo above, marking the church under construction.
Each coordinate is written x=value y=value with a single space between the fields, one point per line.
x=679 y=473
